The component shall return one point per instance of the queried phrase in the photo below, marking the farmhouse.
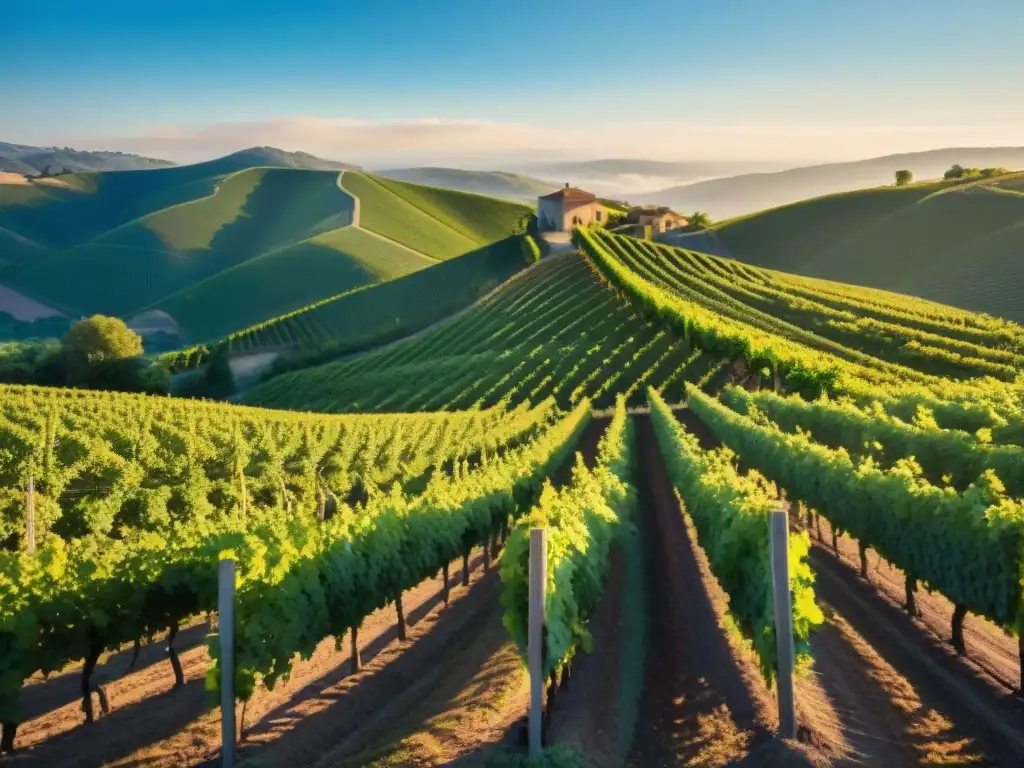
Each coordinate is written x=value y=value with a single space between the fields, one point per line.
x=568 y=207
x=660 y=219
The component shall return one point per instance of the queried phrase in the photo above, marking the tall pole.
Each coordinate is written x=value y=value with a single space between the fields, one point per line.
x=778 y=522
x=226 y=628
x=30 y=515
x=535 y=645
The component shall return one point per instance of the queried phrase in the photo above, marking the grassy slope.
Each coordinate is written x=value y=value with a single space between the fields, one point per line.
x=383 y=312
x=286 y=279
x=86 y=205
x=387 y=214
x=983 y=275
x=789 y=236
x=558 y=331
x=143 y=261
x=500 y=184
x=954 y=244
x=480 y=218
x=895 y=249
x=253 y=211
x=15 y=248
x=198 y=226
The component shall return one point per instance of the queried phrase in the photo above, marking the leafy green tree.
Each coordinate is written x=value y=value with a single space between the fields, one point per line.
x=956 y=171
x=95 y=341
x=698 y=220
x=220 y=381
x=903 y=178
x=990 y=172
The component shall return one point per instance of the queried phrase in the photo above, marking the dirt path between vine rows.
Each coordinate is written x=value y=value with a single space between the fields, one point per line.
x=150 y=724
x=699 y=700
x=991 y=649
x=952 y=706
x=875 y=697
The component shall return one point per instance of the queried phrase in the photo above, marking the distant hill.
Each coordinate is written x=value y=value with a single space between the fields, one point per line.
x=957 y=243
x=629 y=179
x=509 y=186
x=737 y=195
x=33 y=161
x=229 y=243
x=280 y=158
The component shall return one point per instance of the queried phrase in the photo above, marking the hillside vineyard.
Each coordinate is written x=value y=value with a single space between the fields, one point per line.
x=600 y=394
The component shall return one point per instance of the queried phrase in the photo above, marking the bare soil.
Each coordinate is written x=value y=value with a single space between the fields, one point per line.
x=460 y=710
x=703 y=703
x=871 y=700
x=585 y=714
x=993 y=650
x=152 y=725
x=961 y=708
x=587 y=447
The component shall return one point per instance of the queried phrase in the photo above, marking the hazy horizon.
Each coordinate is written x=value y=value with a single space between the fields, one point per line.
x=407 y=84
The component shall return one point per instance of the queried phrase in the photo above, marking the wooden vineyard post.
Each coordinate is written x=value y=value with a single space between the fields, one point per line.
x=535 y=644
x=226 y=628
x=30 y=515
x=778 y=529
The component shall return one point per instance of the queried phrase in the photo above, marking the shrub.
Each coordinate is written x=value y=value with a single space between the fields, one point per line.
x=531 y=251
x=903 y=178
x=98 y=339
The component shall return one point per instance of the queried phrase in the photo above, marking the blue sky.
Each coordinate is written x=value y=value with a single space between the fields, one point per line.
x=418 y=80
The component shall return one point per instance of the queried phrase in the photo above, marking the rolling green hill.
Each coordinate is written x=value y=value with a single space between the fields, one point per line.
x=224 y=245
x=574 y=327
x=31 y=161
x=508 y=186
x=439 y=223
x=287 y=279
x=250 y=212
x=375 y=314
x=955 y=243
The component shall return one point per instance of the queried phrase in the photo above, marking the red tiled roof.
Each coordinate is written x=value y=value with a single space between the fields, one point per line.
x=635 y=213
x=571 y=193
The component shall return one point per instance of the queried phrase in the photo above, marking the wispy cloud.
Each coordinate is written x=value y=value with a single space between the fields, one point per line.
x=475 y=142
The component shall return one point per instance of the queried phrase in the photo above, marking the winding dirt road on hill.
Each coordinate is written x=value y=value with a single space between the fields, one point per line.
x=356 y=225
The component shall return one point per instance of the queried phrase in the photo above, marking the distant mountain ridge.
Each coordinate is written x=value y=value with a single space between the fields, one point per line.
x=747 y=193
x=281 y=158
x=34 y=161
x=502 y=184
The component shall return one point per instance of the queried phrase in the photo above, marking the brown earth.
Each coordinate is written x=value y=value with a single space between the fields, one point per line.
x=585 y=714
x=988 y=646
x=152 y=725
x=959 y=699
x=702 y=704
x=873 y=700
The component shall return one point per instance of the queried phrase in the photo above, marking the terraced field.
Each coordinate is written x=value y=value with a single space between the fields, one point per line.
x=653 y=407
x=363 y=317
x=558 y=331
